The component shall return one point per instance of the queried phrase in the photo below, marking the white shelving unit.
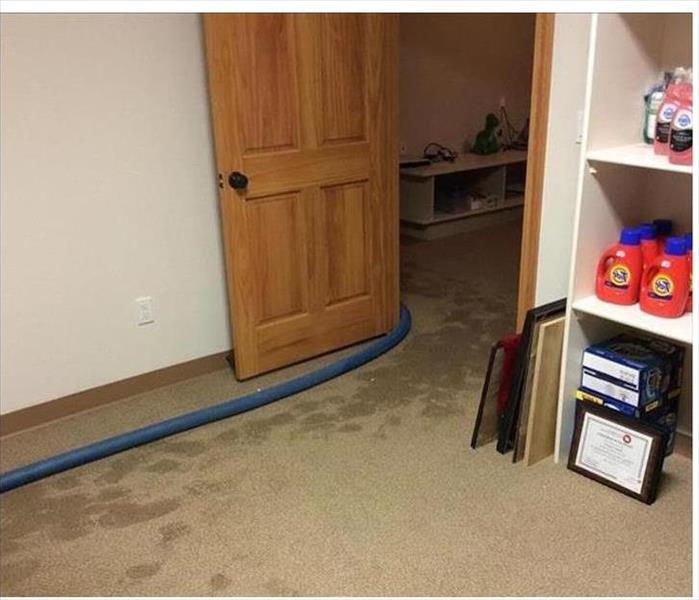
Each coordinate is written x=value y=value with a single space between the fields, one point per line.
x=635 y=155
x=622 y=183
x=420 y=207
x=677 y=330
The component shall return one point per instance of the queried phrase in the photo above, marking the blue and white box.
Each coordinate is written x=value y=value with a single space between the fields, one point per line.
x=636 y=370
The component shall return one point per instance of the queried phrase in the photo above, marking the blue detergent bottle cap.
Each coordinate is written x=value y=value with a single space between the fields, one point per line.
x=648 y=231
x=675 y=246
x=663 y=227
x=630 y=236
x=688 y=242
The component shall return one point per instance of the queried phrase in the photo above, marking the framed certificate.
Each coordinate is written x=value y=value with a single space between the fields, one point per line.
x=618 y=451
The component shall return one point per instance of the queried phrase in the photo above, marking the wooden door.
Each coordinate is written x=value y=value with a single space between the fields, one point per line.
x=305 y=118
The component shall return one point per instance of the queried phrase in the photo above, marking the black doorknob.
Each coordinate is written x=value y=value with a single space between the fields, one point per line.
x=237 y=180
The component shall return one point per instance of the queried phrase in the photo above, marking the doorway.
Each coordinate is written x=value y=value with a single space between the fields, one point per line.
x=466 y=79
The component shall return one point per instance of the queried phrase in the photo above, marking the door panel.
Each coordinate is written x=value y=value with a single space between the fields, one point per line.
x=342 y=78
x=347 y=241
x=276 y=230
x=306 y=107
x=265 y=75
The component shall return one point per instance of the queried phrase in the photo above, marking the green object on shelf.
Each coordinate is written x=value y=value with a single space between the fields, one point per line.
x=486 y=140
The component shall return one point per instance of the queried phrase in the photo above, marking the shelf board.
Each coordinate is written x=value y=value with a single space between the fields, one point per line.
x=441 y=217
x=679 y=329
x=465 y=162
x=636 y=155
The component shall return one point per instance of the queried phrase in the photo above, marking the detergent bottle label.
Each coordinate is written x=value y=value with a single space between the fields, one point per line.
x=681 y=134
x=618 y=276
x=662 y=128
x=662 y=287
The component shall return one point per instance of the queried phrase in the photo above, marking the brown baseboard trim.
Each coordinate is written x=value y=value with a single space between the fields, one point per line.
x=52 y=410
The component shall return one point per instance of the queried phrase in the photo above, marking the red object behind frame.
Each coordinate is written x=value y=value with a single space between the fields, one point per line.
x=509 y=343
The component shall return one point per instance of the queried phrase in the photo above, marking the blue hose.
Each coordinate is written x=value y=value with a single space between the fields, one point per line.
x=118 y=443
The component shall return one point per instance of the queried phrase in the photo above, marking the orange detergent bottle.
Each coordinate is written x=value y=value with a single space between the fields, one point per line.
x=649 y=243
x=688 y=242
x=665 y=285
x=620 y=268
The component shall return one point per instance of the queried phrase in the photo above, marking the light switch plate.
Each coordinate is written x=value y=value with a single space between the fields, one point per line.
x=144 y=307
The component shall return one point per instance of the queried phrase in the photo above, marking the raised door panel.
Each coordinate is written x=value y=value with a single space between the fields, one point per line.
x=342 y=78
x=265 y=79
x=347 y=241
x=276 y=230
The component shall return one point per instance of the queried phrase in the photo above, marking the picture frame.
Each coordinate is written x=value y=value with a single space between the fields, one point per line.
x=618 y=451
x=535 y=436
x=510 y=419
x=485 y=429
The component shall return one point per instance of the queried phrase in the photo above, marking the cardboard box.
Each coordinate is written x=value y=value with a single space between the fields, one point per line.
x=617 y=405
x=675 y=354
x=634 y=369
x=616 y=389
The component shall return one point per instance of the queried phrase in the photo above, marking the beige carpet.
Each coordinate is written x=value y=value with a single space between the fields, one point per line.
x=365 y=485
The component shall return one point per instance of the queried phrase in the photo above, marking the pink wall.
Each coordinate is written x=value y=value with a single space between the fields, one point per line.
x=454 y=68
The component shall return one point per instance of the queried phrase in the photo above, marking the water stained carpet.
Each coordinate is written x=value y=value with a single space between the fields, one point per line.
x=362 y=486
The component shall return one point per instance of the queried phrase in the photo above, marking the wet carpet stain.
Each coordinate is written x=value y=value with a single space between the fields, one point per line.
x=164 y=466
x=350 y=428
x=229 y=435
x=173 y=531
x=131 y=513
x=21 y=569
x=143 y=571
x=113 y=493
x=430 y=377
x=186 y=448
x=219 y=582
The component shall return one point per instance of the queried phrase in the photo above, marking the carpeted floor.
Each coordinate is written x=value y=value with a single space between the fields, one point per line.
x=365 y=485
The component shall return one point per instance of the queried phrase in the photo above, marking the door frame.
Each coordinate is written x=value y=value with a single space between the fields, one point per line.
x=536 y=158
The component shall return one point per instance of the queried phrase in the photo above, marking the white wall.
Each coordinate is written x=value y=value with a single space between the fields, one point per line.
x=454 y=68
x=108 y=193
x=568 y=77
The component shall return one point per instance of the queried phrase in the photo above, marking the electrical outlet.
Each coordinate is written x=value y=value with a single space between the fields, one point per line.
x=144 y=308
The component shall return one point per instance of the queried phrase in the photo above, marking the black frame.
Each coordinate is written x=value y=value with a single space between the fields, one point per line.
x=651 y=480
x=497 y=347
x=509 y=420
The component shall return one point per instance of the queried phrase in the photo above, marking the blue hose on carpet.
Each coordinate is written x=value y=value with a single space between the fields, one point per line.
x=97 y=450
